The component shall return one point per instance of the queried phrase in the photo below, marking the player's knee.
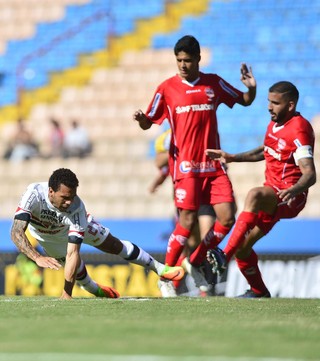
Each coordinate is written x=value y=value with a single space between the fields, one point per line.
x=111 y=245
x=187 y=219
x=227 y=221
x=243 y=252
x=255 y=194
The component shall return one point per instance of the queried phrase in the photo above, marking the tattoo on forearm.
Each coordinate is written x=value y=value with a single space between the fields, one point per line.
x=253 y=155
x=21 y=241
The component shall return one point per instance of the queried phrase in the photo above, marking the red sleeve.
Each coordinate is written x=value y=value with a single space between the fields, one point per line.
x=229 y=94
x=157 y=110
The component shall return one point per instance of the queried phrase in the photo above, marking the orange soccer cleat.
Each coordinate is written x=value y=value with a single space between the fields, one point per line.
x=107 y=292
x=172 y=273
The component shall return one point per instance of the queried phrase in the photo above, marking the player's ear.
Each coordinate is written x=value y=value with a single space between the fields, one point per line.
x=292 y=105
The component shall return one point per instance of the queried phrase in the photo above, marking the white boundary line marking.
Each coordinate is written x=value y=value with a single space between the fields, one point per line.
x=101 y=357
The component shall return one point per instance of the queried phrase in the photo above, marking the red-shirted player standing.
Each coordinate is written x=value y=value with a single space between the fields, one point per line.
x=189 y=100
x=290 y=172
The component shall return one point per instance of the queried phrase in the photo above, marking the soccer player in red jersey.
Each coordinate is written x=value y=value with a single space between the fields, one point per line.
x=290 y=171
x=189 y=100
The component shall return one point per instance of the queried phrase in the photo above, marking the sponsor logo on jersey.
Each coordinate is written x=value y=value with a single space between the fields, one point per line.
x=180 y=194
x=50 y=216
x=185 y=167
x=272 y=152
x=197 y=167
x=194 y=108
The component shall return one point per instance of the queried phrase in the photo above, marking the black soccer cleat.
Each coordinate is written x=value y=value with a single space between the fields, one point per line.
x=217 y=258
x=251 y=294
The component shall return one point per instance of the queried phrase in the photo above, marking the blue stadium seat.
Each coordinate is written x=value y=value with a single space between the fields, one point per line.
x=279 y=38
x=251 y=32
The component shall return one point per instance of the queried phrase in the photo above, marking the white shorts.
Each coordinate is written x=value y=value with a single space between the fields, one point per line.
x=95 y=235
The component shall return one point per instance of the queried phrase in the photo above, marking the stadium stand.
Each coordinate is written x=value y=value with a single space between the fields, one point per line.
x=97 y=63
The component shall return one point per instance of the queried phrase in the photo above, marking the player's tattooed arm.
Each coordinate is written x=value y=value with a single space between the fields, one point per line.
x=20 y=239
x=254 y=155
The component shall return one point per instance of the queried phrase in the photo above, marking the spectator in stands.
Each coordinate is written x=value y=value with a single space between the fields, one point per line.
x=56 y=139
x=77 y=142
x=22 y=146
x=57 y=218
x=290 y=171
x=189 y=101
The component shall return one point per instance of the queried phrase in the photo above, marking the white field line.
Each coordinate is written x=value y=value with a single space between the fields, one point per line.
x=101 y=357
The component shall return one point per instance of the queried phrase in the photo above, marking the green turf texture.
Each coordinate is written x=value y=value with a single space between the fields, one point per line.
x=213 y=327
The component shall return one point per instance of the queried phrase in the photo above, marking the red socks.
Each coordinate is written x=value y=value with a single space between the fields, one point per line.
x=211 y=240
x=245 y=222
x=176 y=244
x=249 y=268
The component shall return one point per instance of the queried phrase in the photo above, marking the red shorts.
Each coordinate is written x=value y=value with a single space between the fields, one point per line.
x=189 y=193
x=267 y=221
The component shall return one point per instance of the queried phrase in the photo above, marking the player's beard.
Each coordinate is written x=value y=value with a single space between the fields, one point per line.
x=281 y=117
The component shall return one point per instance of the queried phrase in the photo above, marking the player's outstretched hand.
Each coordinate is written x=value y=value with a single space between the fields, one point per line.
x=220 y=155
x=247 y=77
x=48 y=262
x=142 y=119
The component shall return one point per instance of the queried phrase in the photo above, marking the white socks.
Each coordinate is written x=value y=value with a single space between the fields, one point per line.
x=137 y=255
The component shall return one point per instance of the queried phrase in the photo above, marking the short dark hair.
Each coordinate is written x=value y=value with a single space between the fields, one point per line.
x=287 y=89
x=189 y=44
x=63 y=176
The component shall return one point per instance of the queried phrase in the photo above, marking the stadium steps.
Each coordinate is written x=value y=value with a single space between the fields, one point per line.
x=77 y=76
x=114 y=180
x=106 y=178
x=19 y=18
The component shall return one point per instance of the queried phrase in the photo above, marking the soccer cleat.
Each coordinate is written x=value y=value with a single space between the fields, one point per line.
x=217 y=258
x=172 y=273
x=251 y=294
x=167 y=288
x=107 y=292
x=197 y=276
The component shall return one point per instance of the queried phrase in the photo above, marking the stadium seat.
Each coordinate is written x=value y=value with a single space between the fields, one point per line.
x=104 y=99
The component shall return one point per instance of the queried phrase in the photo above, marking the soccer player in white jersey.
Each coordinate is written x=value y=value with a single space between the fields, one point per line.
x=290 y=171
x=189 y=100
x=57 y=218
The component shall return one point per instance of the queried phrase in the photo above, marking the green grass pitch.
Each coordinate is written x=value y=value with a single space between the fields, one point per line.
x=155 y=329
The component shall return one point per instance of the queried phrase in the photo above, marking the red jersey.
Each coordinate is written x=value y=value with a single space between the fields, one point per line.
x=283 y=146
x=191 y=111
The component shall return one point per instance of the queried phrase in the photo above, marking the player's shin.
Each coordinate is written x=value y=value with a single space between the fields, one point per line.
x=134 y=254
x=211 y=240
x=176 y=244
x=250 y=270
x=245 y=222
x=85 y=281
x=137 y=255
